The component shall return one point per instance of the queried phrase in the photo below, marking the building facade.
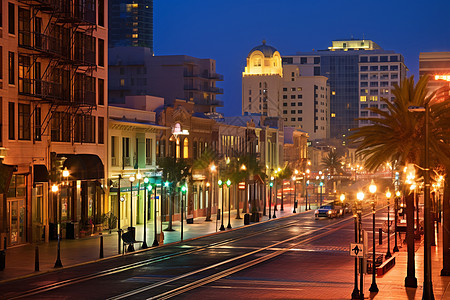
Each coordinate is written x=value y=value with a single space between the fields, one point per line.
x=273 y=90
x=53 y=112
x=437 y=66
x=135 y=71
x=131 y=24
x=359 y=74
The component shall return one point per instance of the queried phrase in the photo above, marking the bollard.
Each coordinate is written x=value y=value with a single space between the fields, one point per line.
x=2 y=259
x=380 y=236
x=101 y=246
x=4 y=244
x=36 y=259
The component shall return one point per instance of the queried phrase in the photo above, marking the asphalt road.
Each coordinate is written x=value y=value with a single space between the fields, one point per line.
x=291 y=258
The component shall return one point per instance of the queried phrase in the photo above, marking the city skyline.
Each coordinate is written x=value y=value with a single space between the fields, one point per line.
x=228 y=31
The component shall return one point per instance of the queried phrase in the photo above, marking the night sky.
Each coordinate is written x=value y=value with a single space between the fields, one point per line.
x=226 y=30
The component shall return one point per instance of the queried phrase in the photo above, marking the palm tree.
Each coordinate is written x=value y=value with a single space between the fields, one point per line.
x=285 y=173
x=204 y=163
x=398 y=135
x=236 y=172
x=333 y=162
x=253 y=169
x=175 y=171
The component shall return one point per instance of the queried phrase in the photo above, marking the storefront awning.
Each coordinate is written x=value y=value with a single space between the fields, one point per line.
x=40 y=173
x=84 y=166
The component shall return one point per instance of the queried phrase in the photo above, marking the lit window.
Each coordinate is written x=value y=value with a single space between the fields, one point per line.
x=185 y=148
x=363 y=99
x=333 y=93
x=373 y=98
x=134 y=36
x=122 y=82
x=333 y=115
x=134 y=5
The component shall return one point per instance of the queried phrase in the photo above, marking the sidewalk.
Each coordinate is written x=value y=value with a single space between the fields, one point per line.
x=20 y=260
x=391 y=285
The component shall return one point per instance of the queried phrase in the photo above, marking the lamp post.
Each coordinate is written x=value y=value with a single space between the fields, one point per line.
x=270 y=197
x=58 y=263
x=131 y=228
x=306 y=190
x=229 y=204
x=183 y=191
x=342 y=198
x=397 y=196
x=355 y=293
x=372 y=189
x=119 y=230
x=294 y=179
x=212 y=169
x=360 y=197
x=275 y=200
x=155 y=241
x=388 y=253
x=222 y=227
x=147 y=188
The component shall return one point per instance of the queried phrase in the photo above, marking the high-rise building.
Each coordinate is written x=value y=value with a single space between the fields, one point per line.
x=53 y=117
x=135 y=71
x=273 y=90
x=360 y=73
x=437 y=66
x=131 y=23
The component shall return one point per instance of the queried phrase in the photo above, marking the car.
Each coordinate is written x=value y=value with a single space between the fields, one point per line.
x=326 y=211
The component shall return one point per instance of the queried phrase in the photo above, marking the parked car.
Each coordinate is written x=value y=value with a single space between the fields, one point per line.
x=326 y=211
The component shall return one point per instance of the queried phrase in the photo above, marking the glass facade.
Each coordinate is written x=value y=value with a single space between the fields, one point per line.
x=131 y=23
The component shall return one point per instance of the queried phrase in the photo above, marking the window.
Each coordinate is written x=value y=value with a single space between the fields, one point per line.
x=292 y=103
x=364 y=105
x=374 y=59
x=101 y=52
x=299 y=104
x=373 y=77
x=293 y=119
x=364 y=59
x=89 y=129
x=249 y=99
x=284 y=89
x=60 y=127
x=364 y=76
x=284 y=96
x=316 y=60
x=37 y=124
x=11 y=121
x=101 y=13
x=293 y=89
x=284 y=111
x=24 y=122
x=383 y=68
x=374 y=84
x=101 y=91
x=316 y=71
x=149 y=151
x=11 y=68
x=11 y=19
x=249 y=92
x=299 y=119
x=374 y=92
x=364 y=68
x=292 y=96
x=383 y=58
x=373 y=98
x=364 y=113
x=101 y=130
x=384 y=76
x=364 y=84
x=126 y=151
x=394 y=58
x=284 y=104
x=373 y=68
x=113 y=151
x=394 y=68
x=362 y=98
x=299 y=96
x=300 y=111
x=292 y=111
x=303 y=60
x=186 y=148
x=384 y=83
x=394 y=76
x=363 y=91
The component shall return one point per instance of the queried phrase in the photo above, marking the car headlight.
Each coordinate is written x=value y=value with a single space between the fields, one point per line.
x=330 y=212
x=316 y=212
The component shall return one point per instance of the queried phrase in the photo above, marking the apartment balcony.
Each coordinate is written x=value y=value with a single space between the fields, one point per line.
x=46 y=90
x=215 y=90
x=84 y=56
x=84 y=98
x=189 y=87
x=214 y=102
x=190 y=74
x=81 y=12
x=43 y=5
x=215 y=76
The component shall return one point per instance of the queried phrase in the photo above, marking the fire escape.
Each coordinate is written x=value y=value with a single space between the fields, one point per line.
x=57 y=58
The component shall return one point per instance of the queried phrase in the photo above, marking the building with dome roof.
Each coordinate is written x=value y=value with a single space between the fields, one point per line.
x=273 y=90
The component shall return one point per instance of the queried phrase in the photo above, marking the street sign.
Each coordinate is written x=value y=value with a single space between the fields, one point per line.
x=357 y=250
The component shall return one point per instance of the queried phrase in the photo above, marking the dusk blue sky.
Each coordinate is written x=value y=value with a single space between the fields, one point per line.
x=226 y=30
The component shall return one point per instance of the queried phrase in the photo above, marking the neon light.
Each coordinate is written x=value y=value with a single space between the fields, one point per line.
x=442 y=77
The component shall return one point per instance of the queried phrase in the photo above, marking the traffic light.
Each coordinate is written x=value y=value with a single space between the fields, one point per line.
x=149 y=187
x=166 y=184
x=271 y=184
x=184 y=189
x=219 y=182
x=228 y=182
x=321 y=183
x=146 y=180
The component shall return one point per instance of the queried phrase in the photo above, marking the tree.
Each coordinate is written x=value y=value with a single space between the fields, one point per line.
x=176 y=172
x=204 y=162
x=282 y=175
x=333 y=162
x=398 y=135
x=237 y=172
x=253 y=169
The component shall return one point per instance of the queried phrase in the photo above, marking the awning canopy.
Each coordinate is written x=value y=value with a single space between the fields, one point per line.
x=40 y=173
x=84 y=166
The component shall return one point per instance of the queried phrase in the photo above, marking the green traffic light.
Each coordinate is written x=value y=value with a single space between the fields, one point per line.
x=321 y=183
x=228 y=182
x=220 y=182
x=166 y=184
x=146 y=180
x=271 y=184
x=149 y=187
x=184 y=189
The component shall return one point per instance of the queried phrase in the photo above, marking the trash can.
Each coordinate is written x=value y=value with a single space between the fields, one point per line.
x=2 y=259
x=246 y=219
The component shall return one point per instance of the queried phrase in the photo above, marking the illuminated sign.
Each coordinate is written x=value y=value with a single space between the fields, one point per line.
x=241 y=185
x=176 y=130
x=442 y=77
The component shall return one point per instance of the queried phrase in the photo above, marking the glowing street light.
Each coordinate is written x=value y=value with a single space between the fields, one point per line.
x=373 y=190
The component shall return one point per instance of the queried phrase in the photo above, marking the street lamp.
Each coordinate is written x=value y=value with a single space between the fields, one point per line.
x=397 y=196
x=222 y=227
x=306 y=189
x=229 y=204
x=388 y=197
x=183 y=191
x=294 y=179
x=131 y=228
x=360 y=197
x=373 y=190
x=155 y=241
x=270 y=197
x=149 y=188
x=58 y=263
x=212 y=168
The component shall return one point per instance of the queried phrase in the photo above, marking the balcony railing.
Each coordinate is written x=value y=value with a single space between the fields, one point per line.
x=84 y=97
x=190 y=87
x=214 y=102
x=215 y=76
x=215 y=90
